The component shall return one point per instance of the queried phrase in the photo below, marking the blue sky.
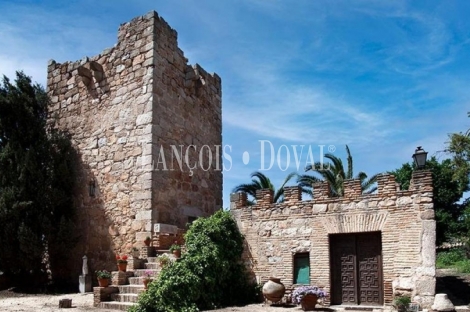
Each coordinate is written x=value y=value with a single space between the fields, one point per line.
x=381 y=76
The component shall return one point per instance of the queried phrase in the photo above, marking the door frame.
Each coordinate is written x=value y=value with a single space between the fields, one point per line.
x=331 y=242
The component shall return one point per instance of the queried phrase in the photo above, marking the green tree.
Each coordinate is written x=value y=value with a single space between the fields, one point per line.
x=260 y=181
x=335 y=173
x=459 y=148
x=447 y=192
x=36 y=181
x=209 y=274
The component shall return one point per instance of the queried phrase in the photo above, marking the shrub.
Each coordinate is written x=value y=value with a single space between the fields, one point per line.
x=463 y=266
x=209 y=275
x=175 y=247
x=446 y=259
x=402 y=303
x=164 y=260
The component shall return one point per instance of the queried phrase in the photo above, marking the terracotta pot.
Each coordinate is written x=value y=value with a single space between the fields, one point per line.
x=122 y=267
x=274 y=290
x=103 y=282
x=177 y=253
x=146 y=282
x=308 y=302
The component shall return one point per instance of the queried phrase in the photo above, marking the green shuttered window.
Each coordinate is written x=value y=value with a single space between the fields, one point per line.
x=302 y=268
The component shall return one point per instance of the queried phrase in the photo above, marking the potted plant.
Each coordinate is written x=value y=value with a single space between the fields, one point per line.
x=164 y=260
x=176 y=250
x=147 y=278
x=135 y=252
x=402 y=303
x=103 y=277
x=122 y=262
x=147 y=241
x=307 y=296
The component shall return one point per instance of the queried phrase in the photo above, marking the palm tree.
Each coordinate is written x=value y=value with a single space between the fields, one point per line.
x=260 y=181
x=335 y=174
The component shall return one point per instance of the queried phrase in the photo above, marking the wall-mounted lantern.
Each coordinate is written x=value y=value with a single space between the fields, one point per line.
x=92 y=187
x=419 y=157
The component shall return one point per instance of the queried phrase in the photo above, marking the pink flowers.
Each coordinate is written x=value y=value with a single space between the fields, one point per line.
x=149 y=273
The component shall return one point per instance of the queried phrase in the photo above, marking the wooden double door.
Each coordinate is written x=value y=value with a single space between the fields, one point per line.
x=356 y=269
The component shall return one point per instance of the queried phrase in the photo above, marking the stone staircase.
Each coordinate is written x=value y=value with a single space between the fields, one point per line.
x=126 y=287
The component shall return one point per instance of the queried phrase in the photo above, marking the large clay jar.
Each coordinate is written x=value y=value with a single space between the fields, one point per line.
x=274 y=290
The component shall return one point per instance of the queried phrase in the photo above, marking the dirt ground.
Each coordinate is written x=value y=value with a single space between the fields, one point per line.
x=457 y=286
x=14 y=302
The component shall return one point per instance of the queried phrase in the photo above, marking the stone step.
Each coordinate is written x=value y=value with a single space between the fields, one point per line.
x=152 y=259
x=136 y=288
x=346 y=308
x=123 y=306
x=152 y=265
x=143 y=272
x=136 y=281
x=125 y=297
x=127 y=273
x=163 y=251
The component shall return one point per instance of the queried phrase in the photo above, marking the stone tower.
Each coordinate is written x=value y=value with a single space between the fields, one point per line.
x=147 y=127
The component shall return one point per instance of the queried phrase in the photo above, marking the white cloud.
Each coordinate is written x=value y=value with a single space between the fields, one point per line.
x=33 y=35
x=271 y=106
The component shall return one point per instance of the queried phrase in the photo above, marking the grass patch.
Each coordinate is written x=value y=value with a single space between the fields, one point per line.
x=453 y=259
x=463 y=266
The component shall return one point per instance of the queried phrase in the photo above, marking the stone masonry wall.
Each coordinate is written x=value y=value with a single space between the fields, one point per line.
x=118 y=107
x=188 y=104
x=405 y=219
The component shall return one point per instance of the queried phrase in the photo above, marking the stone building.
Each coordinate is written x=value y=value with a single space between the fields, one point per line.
x=147 y=127
x=363 y=249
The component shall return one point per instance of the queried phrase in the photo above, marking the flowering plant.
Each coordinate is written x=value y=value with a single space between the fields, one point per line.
x=163 y=260
x=300 y=292
x=148 y=274
x=121 y=259
x=103 y=274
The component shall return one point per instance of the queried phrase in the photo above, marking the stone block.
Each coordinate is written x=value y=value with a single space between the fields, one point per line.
x=84 y=283
x=143 y=215
x=120 y=277
x=102 y=294
x=442 y=303
x=428 y=250
x=403 y=201
x=426 y=286
x=140 y=236
x=428 y=214
x=65 y=303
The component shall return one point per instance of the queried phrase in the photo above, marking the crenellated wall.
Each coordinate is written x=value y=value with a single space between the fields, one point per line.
x=124 y=108
x=274 y=233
